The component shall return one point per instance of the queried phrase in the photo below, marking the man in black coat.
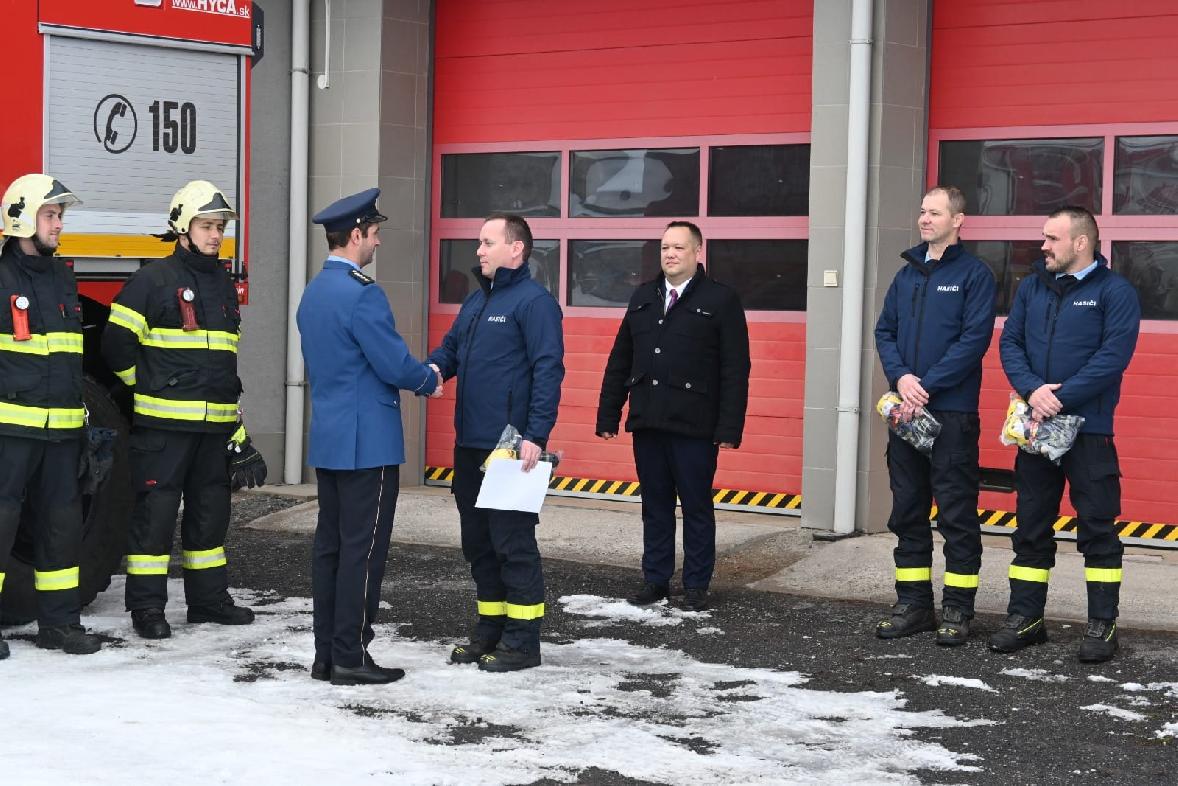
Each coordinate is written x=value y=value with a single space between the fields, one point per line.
x=682 y=358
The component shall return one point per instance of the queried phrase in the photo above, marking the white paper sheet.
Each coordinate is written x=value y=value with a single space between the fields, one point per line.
x=507 y=487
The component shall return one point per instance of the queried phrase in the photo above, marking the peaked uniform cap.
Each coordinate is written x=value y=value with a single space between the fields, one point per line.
x=27 y=195
x=351 y=211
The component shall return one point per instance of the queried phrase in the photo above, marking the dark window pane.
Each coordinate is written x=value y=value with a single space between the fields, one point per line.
x=759 y=180
x=1152 y=267
x=1010 y=261
x=457 y=261
x=1024 y=177
x=1145 y=176
x=477 y=184
x=634 y=183
x=770 y=275
x=606 y=272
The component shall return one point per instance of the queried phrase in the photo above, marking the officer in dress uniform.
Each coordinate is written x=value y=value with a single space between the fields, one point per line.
x=356 y=363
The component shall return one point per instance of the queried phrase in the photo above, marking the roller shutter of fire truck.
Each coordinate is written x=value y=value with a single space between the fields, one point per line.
x=128 y=124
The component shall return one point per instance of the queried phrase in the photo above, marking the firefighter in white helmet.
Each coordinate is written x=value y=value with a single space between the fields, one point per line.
x=42 y=418
x=172 y=337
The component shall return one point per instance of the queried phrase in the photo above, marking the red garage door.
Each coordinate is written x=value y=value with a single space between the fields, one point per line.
x=600 y=123
x=1035 y=105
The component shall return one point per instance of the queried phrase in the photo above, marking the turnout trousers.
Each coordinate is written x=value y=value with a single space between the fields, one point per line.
x=500 y=546
x=669 y=466
x=356 y=509
x=950 y=476
x=165 y=467
x=1094 y=479
x=43 y=475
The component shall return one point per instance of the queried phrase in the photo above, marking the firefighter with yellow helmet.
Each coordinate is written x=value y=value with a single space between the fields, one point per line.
x=172 y=337
x=42 y=418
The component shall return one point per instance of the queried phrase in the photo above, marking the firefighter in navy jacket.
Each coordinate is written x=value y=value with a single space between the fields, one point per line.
x=357 y=364
x=42 y=418
x=172 y=336
x=1070 y=335
x=507 y=348
x=936 y=325
x=681 y=357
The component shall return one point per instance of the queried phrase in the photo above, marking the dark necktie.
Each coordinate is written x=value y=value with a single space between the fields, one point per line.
x=674 y=298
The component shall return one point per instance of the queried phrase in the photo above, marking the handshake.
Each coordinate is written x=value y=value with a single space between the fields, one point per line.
x=438 y=390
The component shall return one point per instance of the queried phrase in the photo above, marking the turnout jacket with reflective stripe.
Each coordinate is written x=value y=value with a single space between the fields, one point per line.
x=184 y=379
x=41 y=377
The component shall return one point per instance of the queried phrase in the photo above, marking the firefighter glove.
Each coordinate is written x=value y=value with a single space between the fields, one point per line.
x=246 y=465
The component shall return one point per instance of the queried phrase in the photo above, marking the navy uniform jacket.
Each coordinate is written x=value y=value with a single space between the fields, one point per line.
x=507 y=347
x=1081 y=335
x=937 y=323
x=356 y=361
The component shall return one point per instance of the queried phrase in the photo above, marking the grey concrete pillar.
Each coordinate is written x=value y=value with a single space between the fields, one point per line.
x=896 y=182
x=261 y=363
x=369 y=129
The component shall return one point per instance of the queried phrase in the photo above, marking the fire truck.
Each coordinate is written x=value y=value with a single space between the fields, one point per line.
x=123 y=101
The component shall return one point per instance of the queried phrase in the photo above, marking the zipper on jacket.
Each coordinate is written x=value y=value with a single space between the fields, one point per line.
x=470 y=343
x=920 y=293
x=1053 y=318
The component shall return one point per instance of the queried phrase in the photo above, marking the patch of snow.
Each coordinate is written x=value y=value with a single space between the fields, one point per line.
x=131 y=714
x=613 y=610
x=1039 y=675
x=1099 y=678
x=937 y=680
x=1169 y=730
x=1171 y=688
x=1116 y=712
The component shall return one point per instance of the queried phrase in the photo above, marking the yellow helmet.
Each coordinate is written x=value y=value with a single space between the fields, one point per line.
x=27 y=195
x=198 y=198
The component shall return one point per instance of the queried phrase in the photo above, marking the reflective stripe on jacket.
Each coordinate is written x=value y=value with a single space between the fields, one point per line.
x=41 y=367
x=183 y=371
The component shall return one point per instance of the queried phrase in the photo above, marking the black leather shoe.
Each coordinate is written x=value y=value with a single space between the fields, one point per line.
x=321 y=670
x=649 y=593
x=507 y=659
x=224 y=613
x=151 y=623
x=695 y=599
x=472 y=651
x=1100 y=641
x=70 y=639
x=368 y=674
x=906 y=620
x=3 y=648
x=1018 y=632
x=954 y=629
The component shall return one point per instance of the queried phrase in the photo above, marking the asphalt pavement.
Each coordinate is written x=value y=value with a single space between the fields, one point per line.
x=783 y=600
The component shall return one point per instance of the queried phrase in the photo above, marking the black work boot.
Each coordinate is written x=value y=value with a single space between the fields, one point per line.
x=70 y=639
x=3 y=648
x=649 y=593
x=367 y=673
x=954 y=628
x=1018 y=632
x=695 y=599
x=471 y=652
x=906 y=620
x=508 y=659
x=150 y=624
x=1100 y=641
x=224 y=613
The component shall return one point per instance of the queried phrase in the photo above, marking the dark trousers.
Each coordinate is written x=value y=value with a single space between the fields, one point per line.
x=950 y=475
x=671 y=465
x=44 y=476
x=1094 y=478
x=165 y=467
x=500 y=546
x=348 y=559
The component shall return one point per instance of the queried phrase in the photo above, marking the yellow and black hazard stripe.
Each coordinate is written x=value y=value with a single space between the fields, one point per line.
x=1139 y=533
x=725 y=499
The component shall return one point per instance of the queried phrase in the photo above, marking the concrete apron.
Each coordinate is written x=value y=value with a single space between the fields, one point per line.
x=773 y=554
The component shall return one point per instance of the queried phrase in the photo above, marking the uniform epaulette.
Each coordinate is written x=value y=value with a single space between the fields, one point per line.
x=363 y=279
